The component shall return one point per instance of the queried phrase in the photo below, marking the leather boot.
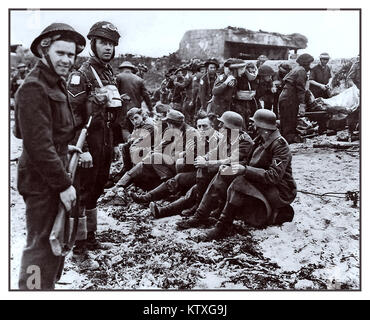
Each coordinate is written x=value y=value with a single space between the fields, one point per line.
x=223 y=225
x=200 y=217
x=80 y=247
x=125 y=181
x=172 y=209
x=191 y=211
x=156 y=194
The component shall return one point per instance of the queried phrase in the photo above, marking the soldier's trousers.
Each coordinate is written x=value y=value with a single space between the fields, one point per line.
x=40 y=269
x=216 y=193
x=288 y=119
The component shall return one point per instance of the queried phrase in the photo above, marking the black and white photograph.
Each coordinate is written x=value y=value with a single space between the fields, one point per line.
x=185 y=149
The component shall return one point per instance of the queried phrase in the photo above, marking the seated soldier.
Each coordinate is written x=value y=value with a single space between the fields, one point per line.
x=143 y=131
x=160 y=165
x=235 y=146
x=262 y=192
x=187 y=175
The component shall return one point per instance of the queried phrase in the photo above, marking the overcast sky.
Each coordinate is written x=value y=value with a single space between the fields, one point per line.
x=158 y=33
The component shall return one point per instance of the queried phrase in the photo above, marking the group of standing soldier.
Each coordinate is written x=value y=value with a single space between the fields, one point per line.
x=216 y=171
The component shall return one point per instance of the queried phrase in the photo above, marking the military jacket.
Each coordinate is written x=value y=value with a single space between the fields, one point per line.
x=206 y=84
x=81 y=88
x=46 y=124
x=271 y=163
x=294 y=85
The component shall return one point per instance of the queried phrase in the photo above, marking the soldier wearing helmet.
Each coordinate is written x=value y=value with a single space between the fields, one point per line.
x=18 y=79
x=89 y=89
x=263 y=189
x=234 y=147
x=292 y=98
x=46 y=124
x=321 y=77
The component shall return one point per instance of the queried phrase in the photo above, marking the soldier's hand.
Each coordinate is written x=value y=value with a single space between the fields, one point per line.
x=85 y=160
x=72 y=148
x=237 y=168
x=68 y=198
x=200 y=162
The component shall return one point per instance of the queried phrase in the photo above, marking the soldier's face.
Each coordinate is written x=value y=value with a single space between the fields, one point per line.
x=212 y=69
x=104 y=49
x=324 y=62
x=136 y=120
x=22 y=70
x=62 y=56
x=204 y=126
x=203 y=70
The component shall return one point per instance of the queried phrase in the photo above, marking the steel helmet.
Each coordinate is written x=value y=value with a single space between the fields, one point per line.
x=305 y=59
x=251 y=71
x=325 y=55
x=264 y=119
x=106 y=30
x=52 y=32
x=231 y=120
x=265 y=70
x=129 y=65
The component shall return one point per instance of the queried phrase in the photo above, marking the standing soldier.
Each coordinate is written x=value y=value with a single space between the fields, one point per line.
x=292 y=98
x=321 y=77
x=261 y=60
x=142 y=69
x=132 y=85
x=18 y=79
x=200 y=71
x=244 y=101
x=265 y=88
x=187 y=86
x=178 y=91
x=45 y=122
x=207 y=82
x=224 y=88
x=87 y=98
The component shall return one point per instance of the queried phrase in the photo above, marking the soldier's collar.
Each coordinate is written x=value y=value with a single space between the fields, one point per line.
x=51 y=77
x=273 y=136
x=100 y=64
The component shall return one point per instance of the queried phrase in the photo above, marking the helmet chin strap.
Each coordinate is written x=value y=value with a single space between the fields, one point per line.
x=50 y=64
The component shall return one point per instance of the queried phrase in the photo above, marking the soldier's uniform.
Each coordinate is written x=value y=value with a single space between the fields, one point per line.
x=45 y=122
x=104 y=132
x=292 y=95
x=237 y=150
x=239 y=104
x=263 y=193
x=268 y=178
x=206 y=84
x=222 y=95
x=320 y=74
x=17 y=81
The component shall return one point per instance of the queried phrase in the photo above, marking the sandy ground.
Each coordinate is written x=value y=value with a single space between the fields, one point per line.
x=319 y=249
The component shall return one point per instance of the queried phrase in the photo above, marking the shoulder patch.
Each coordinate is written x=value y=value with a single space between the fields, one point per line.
x=75 y=80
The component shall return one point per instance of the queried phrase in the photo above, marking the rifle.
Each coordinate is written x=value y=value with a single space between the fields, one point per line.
x=63 y=233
